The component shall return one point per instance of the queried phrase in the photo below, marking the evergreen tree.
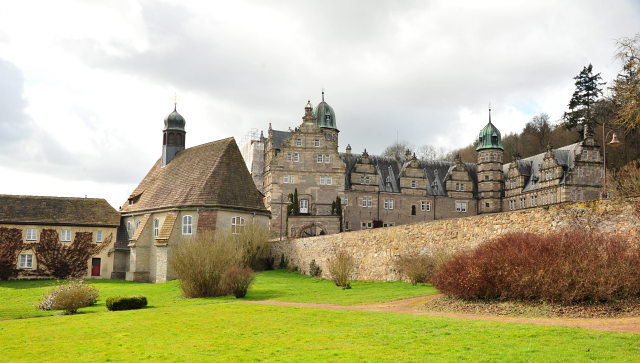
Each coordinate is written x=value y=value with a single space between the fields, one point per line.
x=296 y=203
x=338 y=204
x=588 y=90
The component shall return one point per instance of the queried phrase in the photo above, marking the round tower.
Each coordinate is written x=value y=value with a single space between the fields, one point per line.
x=490 y=153
x=173 y=136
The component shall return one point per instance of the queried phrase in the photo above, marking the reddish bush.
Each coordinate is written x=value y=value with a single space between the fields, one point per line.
x=11 y=245
x=567 y=268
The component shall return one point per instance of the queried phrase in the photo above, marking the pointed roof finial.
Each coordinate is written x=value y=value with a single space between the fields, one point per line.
x=175 y=101
x=323 y=94
x=489 y=112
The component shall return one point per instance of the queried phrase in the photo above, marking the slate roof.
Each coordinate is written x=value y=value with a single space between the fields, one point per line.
x=208 y=175
x=437 y=173
x=27 y=209
x=278 y=138
x=530 y=167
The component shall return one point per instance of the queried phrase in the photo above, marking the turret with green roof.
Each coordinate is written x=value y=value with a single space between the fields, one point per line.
x=489 y=137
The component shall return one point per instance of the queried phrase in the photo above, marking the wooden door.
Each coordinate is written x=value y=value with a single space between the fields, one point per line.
x=95 y=267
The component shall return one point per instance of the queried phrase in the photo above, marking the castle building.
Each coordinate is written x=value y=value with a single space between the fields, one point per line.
x=186 y=192
x=377 y=191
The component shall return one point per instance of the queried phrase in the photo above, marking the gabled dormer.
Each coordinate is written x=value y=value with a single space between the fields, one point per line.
x=364 y=176
x=459 y=183
x=412 y=178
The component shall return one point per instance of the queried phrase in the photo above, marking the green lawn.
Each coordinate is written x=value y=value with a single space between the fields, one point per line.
x=173 y=329
x=17 y=297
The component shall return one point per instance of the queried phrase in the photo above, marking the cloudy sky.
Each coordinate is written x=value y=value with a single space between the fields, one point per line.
x=85 y=85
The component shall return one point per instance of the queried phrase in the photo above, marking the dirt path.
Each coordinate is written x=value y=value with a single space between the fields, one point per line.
x=408 y=306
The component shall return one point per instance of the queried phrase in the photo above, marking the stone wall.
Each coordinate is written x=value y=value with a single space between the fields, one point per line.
x=376 y=251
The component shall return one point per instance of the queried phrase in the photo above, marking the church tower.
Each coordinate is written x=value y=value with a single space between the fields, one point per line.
x=173 y=136
x=490 y=153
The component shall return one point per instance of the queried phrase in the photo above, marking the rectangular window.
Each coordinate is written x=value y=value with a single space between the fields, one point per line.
x=32 y=234
x=596 y=155
x=364 y=202
x=386 y=204
x=298 y=142
x=367 y=180
x=369 y=202
x=304 y=206
x=327 y=158
x=486 y=157
x=296 y=157
x=346 y=200
x=601 y=173
x=288 y=156
x=319 y=158
x=535 y=200
x=580 y=171
x=65 y=236
x=285 y=179
x=390 y=203
x=363 y=225
x=316 y=142
x=187 y=223
x=457 y=186
x=237 y=225
x=291 y=179
x=329 y=180
x=156 y=227
x=428 y=206
x=346 y=225
x=423 y=206
x=413 y=184
x=495 y=157
x=99 y=236
x=461 y=207
x=585 y=155
x=322 y=180
x=462 y=187
x=369 y=224
x=26 y=261
x=361 y=180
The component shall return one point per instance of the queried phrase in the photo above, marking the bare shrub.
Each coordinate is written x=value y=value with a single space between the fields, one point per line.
x=201 y=262
x=69 y=296
x=626 y=181
x=252 y=242
x=238 y=281
x=11 y=245
x=565 y=268
x=417 y=268
x=340 y=267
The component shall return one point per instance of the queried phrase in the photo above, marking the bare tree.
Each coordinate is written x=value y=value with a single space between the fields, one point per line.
x=62 y=261
x=398 y=150
x=430 y=153
x=626 y=86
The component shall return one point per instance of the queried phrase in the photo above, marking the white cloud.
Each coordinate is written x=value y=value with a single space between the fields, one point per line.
x=92 y=81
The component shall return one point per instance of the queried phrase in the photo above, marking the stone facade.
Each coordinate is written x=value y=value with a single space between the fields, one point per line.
x=377 y=251
x=383 y=191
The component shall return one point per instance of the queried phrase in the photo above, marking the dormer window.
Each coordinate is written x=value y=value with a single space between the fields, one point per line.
x=367 y=180
x=361 y=180
x=494 y=139
x=413 y=184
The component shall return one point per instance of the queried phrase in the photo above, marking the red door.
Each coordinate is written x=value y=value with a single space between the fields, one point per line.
x=95 y=267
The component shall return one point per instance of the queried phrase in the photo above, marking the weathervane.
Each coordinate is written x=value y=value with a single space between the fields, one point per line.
x=175 y=99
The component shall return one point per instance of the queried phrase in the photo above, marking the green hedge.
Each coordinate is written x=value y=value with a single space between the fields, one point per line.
x=126 y=302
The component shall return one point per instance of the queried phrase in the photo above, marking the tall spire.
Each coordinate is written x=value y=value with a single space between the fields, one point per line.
x=322 y=94
x=489 y=112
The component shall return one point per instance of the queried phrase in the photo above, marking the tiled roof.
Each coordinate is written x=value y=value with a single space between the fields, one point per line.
x=208 y=175
x=279 y=137
x=140 y=228
x=26 y=209
x=167 y=226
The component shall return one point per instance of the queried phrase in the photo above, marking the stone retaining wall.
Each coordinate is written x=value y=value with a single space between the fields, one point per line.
x=376 y=251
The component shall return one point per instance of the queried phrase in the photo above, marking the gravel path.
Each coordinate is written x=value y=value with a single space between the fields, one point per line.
x=408 y=306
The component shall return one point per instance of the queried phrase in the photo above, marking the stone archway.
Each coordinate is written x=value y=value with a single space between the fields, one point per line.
x=310 y=230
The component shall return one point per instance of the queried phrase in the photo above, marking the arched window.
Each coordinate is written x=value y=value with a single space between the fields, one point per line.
x=237 y=225
x=156 y=227
x=178 y=140
x=164 y=139
x=187 y=224
x=172 y=139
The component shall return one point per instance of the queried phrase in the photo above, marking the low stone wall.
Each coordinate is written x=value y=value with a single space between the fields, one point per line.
x=376 y=251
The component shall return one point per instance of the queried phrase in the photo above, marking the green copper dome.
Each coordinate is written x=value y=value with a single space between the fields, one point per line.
x=489 y=137
x=324 y=114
